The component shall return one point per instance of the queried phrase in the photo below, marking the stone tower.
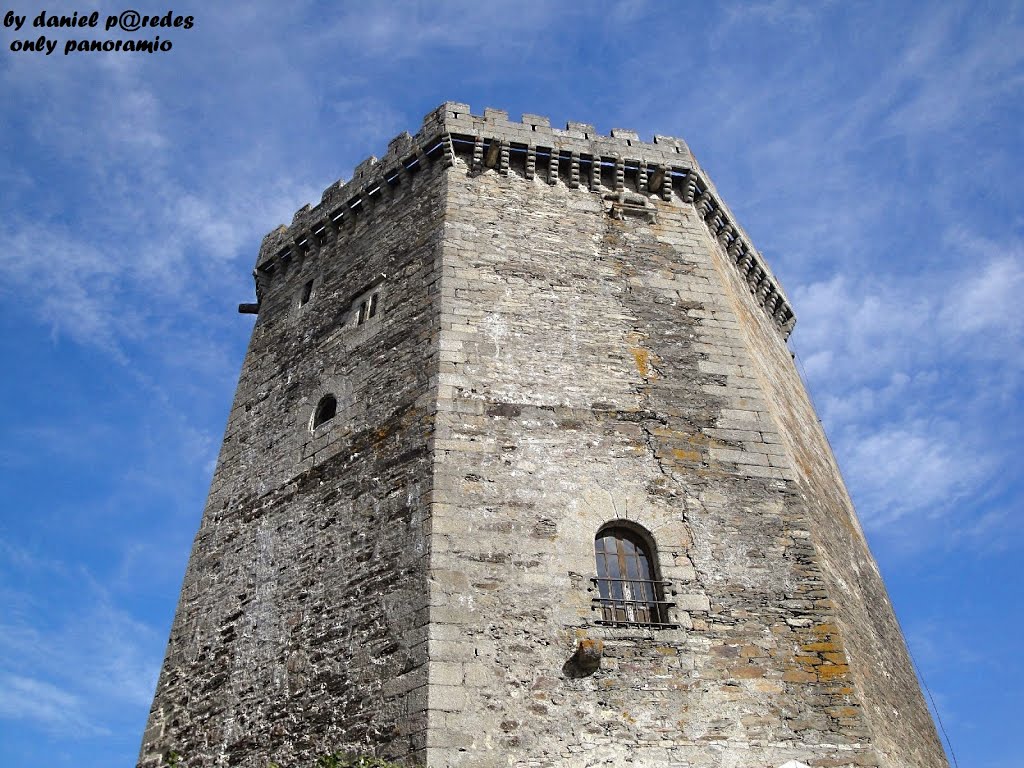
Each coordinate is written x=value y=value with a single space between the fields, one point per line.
x=519 y=473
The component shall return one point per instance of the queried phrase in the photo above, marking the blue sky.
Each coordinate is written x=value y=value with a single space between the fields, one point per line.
x=872 y=150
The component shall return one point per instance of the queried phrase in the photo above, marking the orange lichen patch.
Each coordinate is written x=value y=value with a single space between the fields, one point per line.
x=643 y=360
x=682 y=455
x=805 y=467
x=835 y=658
x=667 y=650
x=831 y=671
x=838 y=712
x=798 y=676
x=819 y=647
x=827 y=628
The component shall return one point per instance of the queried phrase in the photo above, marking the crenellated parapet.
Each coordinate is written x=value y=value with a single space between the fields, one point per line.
x=626 y=170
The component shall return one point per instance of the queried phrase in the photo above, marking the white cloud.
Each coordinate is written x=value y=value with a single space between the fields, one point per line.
x=26 y=698
x=92 y=652
x=986 y=299
x=943 y=89
x=912 y=470
x=857 y=329
x=915 y=379
x=781 y=12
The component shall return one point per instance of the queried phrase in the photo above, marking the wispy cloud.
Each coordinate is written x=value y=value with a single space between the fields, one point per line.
x=912 y=376
x=57 y=664
x=25 y=698
x=985 y=301
x=938 y=90
x=913 y=470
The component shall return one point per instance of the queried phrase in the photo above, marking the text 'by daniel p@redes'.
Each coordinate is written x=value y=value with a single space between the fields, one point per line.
x=90 y=31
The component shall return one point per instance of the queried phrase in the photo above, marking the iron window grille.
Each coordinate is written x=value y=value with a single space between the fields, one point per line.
x=632 y=602
x=629 y=594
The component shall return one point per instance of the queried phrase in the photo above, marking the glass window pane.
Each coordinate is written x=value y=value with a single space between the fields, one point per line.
x=602 y=566
x=628 y=591
x=613 y=567
x=626 y=546
x=634 y=569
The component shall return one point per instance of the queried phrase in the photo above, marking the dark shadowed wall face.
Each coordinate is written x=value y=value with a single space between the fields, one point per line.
x=302 y=620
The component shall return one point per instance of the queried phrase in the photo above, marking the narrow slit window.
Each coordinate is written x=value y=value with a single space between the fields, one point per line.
x=372 y=308
x=363 y=306
x=307 y=293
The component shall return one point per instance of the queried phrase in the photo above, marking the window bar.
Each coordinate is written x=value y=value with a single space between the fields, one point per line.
x=630 y=610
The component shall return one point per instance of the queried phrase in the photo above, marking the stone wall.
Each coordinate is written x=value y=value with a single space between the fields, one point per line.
x=901 y=726
x=301 y=627
x=592 y=369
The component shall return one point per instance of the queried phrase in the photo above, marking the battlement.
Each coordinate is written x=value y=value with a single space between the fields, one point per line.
x=577 y=156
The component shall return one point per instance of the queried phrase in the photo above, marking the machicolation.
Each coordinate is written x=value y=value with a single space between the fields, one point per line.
x=577 y=156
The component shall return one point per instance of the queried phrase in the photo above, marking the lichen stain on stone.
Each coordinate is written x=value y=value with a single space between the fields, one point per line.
x=832 y=671
x=643 y=360
x=682 y=455
x=816 y=647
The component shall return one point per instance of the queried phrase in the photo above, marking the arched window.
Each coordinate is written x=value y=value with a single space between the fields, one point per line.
x=627 y=579
x=325 y=410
